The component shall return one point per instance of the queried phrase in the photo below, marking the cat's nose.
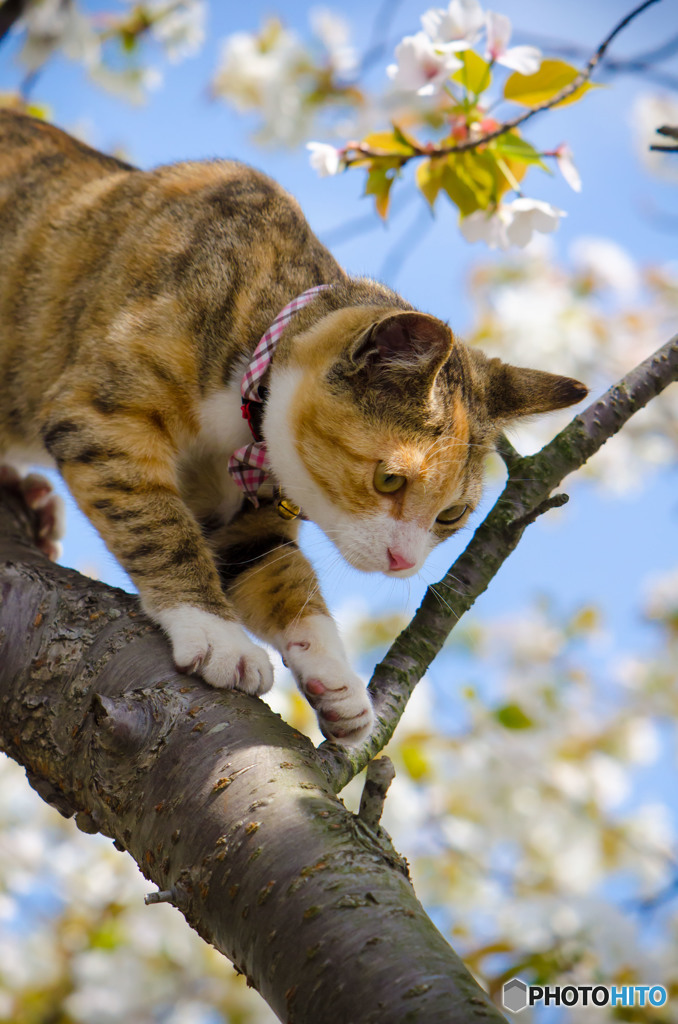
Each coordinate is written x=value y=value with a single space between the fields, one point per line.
x=398 y=561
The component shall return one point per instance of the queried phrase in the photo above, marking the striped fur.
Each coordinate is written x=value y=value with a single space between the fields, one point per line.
x=130 y=302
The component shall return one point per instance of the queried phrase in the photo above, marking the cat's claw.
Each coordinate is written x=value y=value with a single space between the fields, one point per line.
x=218 y=651
x=315 y=655
x=37 y=494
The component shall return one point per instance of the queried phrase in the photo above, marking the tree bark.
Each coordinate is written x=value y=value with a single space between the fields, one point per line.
x=222 y=805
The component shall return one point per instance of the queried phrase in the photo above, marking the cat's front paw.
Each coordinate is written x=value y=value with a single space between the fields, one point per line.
x=341 y=703
x=314 y=653
x=37 y=494
x=219 y=651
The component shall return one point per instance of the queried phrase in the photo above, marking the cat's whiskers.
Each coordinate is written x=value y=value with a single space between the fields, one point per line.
x=266 y=565
x=442 y=600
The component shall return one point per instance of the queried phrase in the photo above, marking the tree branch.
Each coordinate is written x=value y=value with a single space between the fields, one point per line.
x=526 y=495
x=380 y=775
x=222 y=805
x=363 y=151
x=10 y=12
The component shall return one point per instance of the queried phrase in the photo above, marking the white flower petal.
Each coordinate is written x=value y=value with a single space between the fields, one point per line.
x=498 y=34
x=460 y=23
x=473 y=227
x=325 y=159
x=482 y=226
x=525 y=59
x=607 y=263
x=421 y=68
x=566 y=165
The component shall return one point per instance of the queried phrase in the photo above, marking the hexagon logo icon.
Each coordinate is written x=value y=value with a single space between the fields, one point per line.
x=515 y=995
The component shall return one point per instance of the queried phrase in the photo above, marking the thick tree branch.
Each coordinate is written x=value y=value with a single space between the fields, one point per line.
x=222 y=805
x=526 y=494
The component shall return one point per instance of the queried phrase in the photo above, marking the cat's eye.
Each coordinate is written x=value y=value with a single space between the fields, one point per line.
x=452 y=514
x=385 y=482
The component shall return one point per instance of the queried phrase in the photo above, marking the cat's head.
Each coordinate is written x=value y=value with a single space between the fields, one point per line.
x=377 y=425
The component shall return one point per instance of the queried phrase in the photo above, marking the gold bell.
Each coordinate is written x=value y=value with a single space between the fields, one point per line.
x=286 y=509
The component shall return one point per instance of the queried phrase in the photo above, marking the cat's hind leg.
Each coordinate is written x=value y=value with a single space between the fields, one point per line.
x=38 y=495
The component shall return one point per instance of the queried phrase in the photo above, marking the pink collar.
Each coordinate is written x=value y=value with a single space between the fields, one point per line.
x=249 y=465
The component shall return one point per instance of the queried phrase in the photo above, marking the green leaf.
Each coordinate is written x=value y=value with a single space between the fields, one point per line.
x=459 y=188
x=512 y=716
x=475 y=75
x=429 y=178
x=472 y=180
x=389 y=143
x=128 y=41
x=404 y=138
x=479 y=173
x=513 y=147
x=378 y=184
x=543 y=85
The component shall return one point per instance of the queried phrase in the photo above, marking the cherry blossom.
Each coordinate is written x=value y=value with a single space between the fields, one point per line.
x=525 y=59
x=421 y=67
x=181 y=30
x=456 y=28
x=252 y=71
x=335 y=34
x=325 y=159
x=566 y=165
x=511 y=223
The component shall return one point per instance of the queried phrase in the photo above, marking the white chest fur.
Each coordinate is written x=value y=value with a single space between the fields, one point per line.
x=222 y=431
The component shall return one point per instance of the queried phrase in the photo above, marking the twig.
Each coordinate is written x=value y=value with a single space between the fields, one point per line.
x=362 y=151
x=555 y=501
x=642 y=64
x=530 y=483
x=10 y=12
x=671 y=133
x=507 y=452
x=163 y=896
x=380 y=775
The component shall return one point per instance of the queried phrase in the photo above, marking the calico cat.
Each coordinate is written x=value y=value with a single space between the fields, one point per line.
x=131 y=303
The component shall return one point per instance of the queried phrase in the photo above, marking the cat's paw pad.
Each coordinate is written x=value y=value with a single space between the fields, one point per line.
x=218 y=651
x=38 y=496
x=341 y=702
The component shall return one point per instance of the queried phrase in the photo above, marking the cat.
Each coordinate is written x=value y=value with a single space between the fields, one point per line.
x=131 y=303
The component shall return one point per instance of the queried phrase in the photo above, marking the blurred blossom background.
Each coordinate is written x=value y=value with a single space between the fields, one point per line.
x=535 y=795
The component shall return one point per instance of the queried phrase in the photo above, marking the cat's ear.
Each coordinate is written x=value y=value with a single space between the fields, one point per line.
x=514 y=391
x=404 y=341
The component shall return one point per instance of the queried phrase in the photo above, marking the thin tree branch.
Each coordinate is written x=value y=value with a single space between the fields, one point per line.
x=10 y=12
x=530 y=483
x=380 y=775
x=363 y=151
x=670 y=132
x=642 y=64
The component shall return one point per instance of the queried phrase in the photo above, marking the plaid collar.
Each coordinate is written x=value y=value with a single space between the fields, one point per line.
x=249 y=465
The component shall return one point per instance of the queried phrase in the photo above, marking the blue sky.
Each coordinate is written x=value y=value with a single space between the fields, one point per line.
x=602 y=548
